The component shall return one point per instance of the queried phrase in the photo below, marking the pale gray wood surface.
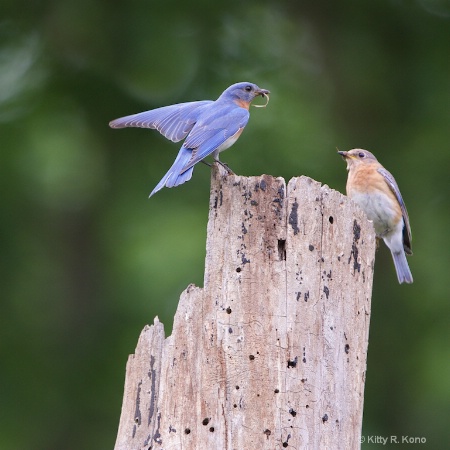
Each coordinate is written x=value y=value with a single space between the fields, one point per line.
x=271 y=352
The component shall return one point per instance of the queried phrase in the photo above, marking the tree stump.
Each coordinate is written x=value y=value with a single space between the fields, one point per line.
x=271 y=352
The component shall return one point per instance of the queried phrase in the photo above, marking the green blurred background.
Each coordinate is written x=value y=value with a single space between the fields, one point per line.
x=87 y=260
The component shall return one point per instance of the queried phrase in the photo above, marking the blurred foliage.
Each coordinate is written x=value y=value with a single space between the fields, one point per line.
x=87 y=260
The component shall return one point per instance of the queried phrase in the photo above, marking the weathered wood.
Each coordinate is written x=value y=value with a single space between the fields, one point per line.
x=271 y=353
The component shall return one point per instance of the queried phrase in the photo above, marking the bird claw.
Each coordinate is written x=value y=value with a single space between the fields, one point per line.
x=225 y=166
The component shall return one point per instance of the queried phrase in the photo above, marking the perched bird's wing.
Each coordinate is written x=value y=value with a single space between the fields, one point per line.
x=213 y=130
x=174 y=122
x=395 y=189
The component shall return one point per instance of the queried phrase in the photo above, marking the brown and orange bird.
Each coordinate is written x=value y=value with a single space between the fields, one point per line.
x=375 y=190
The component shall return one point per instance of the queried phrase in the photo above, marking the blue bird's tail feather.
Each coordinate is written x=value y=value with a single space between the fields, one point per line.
x=173 y=178
x=401 y=266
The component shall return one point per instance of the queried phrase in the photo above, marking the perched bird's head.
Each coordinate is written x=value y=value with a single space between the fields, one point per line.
x=243 y=93
x=357 y=156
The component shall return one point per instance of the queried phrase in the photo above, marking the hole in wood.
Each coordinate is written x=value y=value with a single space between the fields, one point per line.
x=282 y=249
x=292 y=362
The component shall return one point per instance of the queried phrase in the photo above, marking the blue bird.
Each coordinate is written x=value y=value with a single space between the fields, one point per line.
x=210 y=127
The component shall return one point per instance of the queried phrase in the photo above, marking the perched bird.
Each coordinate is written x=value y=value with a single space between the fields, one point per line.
x=375 y=190
x=210 y=127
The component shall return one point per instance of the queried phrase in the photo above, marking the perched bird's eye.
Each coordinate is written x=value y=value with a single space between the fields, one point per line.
x=361 y=155
x=248 y=88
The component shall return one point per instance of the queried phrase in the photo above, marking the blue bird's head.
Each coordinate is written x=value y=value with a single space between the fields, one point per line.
x=243 y=93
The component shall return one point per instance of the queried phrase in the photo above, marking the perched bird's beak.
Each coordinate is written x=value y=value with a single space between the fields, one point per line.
x=343 y=154
x=263 y=92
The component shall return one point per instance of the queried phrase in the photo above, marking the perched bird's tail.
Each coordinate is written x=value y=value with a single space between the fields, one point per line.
x=401 y=266
x=173 y=177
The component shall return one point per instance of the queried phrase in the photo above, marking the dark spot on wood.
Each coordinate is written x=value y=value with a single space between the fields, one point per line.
x=306 y=296
x=292 y=362
x=211 y=429
x=356 y=231
x=235 y=406
x=267 y=432
x=324 y=418
x=152 y=375
x=354 y=252
x=205 y=421
x=292 y=412
x=263 y=185
x=282 y=249
x=347 y=348
x=293 y=218
x=187 y=431
x=237 y=387
x=304 y=379
x=331 y=220
x=307 y=406
x=251 y=357
x=311 y=247
x=253 y=203
x=238 y=269
x=304 y=359
x=326 y=291
x=137 y=410
x=230 y=330
x=285 y=444
x=244 y=230
x=276 y=391
x=244 y=260
x=228 y=310
x=299 y=294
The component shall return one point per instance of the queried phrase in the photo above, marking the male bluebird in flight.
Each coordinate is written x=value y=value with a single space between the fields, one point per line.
x=210 y=127
x=375 y=190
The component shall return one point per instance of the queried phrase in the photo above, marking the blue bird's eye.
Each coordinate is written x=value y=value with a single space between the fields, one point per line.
x=361 y=155
x=248 y=88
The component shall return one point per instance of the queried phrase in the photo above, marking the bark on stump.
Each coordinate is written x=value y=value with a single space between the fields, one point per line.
x=271 y=352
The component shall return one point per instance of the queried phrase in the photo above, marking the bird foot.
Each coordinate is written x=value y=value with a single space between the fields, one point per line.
x=225 y=166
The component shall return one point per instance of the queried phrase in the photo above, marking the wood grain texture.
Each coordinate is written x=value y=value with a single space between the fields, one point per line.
x=271 y=352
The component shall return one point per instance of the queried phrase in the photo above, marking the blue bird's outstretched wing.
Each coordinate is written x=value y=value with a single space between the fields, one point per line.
x=174 y=122
x=215 y=132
